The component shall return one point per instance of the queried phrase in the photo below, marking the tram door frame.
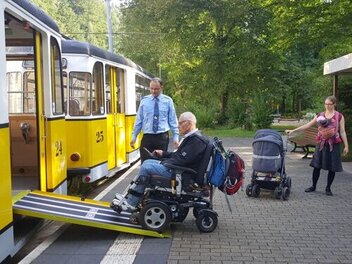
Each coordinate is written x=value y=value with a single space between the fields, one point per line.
x=116 y=119
x=44 y=121
x=19 y=120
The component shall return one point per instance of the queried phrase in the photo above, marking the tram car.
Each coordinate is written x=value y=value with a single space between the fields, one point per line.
x=100 y=90
x=32 y=118
x=59 y=114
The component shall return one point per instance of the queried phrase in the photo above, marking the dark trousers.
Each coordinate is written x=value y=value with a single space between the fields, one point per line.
x=153 y=142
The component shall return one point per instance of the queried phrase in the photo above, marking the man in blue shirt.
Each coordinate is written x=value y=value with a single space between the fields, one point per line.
x=156 y=116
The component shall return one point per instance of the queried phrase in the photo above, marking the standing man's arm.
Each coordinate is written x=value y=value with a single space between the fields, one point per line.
x=173 y=123
x=137 y=125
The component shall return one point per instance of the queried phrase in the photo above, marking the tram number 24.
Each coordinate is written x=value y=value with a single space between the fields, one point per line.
x=99 y=136
x=58 y=148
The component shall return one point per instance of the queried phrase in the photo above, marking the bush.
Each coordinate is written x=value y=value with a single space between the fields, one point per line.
x=261 y=112
x=205 y=116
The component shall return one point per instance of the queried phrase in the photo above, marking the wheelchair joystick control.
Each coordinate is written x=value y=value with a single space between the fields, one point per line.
x=173 y=183
x=173 y=186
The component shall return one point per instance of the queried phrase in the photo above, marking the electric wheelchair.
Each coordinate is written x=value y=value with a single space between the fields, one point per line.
x=165 y=201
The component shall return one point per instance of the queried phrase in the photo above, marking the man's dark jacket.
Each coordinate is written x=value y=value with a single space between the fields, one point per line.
x=190 y=152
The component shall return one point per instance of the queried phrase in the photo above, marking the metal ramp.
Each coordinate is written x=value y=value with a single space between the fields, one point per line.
x=73 y=210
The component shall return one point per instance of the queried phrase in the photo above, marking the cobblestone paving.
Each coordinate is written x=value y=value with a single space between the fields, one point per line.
x=308 y=228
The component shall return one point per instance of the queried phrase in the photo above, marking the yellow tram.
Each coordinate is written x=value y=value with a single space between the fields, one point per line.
x=32 y=118
x=54 y=122
x=100 y=101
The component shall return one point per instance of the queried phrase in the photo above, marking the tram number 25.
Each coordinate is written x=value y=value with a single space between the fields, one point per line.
x=99 y=136
x=58 y=148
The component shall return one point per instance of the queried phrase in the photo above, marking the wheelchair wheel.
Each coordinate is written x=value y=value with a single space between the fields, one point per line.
x=207 y=221
x=155 y=216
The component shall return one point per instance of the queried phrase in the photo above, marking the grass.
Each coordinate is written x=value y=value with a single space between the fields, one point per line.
x=239 y=132
x=228 y=132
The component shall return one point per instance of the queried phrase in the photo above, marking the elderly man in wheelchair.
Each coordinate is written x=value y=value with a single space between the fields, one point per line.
x=170 y=183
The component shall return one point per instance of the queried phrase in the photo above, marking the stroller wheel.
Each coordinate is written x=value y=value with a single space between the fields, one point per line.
x=285 y=193
x=207 y=221
x=255 y=190
x=288 y=182
x=249 y=189
x=155 y=216
x=278 y=192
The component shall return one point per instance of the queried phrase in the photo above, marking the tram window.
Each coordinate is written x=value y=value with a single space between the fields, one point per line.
x=140 y=90
x=120 y=91
x=97 y=95
x=29 y=92
x=107 y=89
x=146 y=82
x=64 y=83
x=56 y=81
x=79 y=93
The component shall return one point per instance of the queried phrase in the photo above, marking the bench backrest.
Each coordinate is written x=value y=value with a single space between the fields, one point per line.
x=306 y=137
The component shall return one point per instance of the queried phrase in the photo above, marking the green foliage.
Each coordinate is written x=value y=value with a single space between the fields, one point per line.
x=228 y=132
x=83 y=20
x=261 y=112
x=216 y=55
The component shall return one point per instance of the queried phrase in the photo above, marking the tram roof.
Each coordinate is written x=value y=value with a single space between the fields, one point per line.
x=80 y=47
x=339 y=65
x=38 y=13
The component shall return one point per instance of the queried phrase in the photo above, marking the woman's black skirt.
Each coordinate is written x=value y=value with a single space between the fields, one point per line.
x=326 y=159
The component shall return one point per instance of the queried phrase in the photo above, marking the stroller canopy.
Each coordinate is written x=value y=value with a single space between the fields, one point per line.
x=269 y=136
x=267 y=150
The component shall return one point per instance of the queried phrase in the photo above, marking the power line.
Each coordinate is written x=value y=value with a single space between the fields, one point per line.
x=114 y=33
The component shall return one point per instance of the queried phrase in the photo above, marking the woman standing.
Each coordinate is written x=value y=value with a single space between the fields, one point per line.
x=331 y=132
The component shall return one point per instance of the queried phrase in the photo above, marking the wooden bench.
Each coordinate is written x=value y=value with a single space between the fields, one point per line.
x=304 y=139
x=288 y=119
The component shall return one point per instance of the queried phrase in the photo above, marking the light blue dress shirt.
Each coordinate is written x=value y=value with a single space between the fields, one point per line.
x=145 y=115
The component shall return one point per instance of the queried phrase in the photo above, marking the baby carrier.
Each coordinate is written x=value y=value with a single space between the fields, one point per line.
x=268 y=165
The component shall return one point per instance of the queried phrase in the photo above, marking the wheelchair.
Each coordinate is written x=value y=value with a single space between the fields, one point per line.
x=165 y=201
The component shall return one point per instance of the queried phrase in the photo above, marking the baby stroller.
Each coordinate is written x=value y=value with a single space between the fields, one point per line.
x=165 y=201
x=269 y=165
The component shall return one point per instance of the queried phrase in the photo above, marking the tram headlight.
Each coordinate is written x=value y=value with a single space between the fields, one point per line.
x=75 y=156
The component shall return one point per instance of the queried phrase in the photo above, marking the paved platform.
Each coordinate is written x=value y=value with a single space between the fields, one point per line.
x=308 y=228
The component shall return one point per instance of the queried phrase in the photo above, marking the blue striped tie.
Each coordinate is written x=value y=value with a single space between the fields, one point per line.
x=156 y=115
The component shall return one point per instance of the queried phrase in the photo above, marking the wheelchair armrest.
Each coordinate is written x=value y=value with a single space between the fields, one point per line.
x=179 y=168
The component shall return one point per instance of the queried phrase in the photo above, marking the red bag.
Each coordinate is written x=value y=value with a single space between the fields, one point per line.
x=234 y=176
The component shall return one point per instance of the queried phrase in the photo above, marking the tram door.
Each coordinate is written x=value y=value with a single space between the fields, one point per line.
x=22 y=103
x=34 y=139
x=115 y=116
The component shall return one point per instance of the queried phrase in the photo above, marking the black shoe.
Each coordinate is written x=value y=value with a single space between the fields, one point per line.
x=328 y=192
x=310 y=189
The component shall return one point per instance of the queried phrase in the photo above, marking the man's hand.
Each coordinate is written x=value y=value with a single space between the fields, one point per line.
x=158 y=153
x=176 y=144
x=132 y=143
